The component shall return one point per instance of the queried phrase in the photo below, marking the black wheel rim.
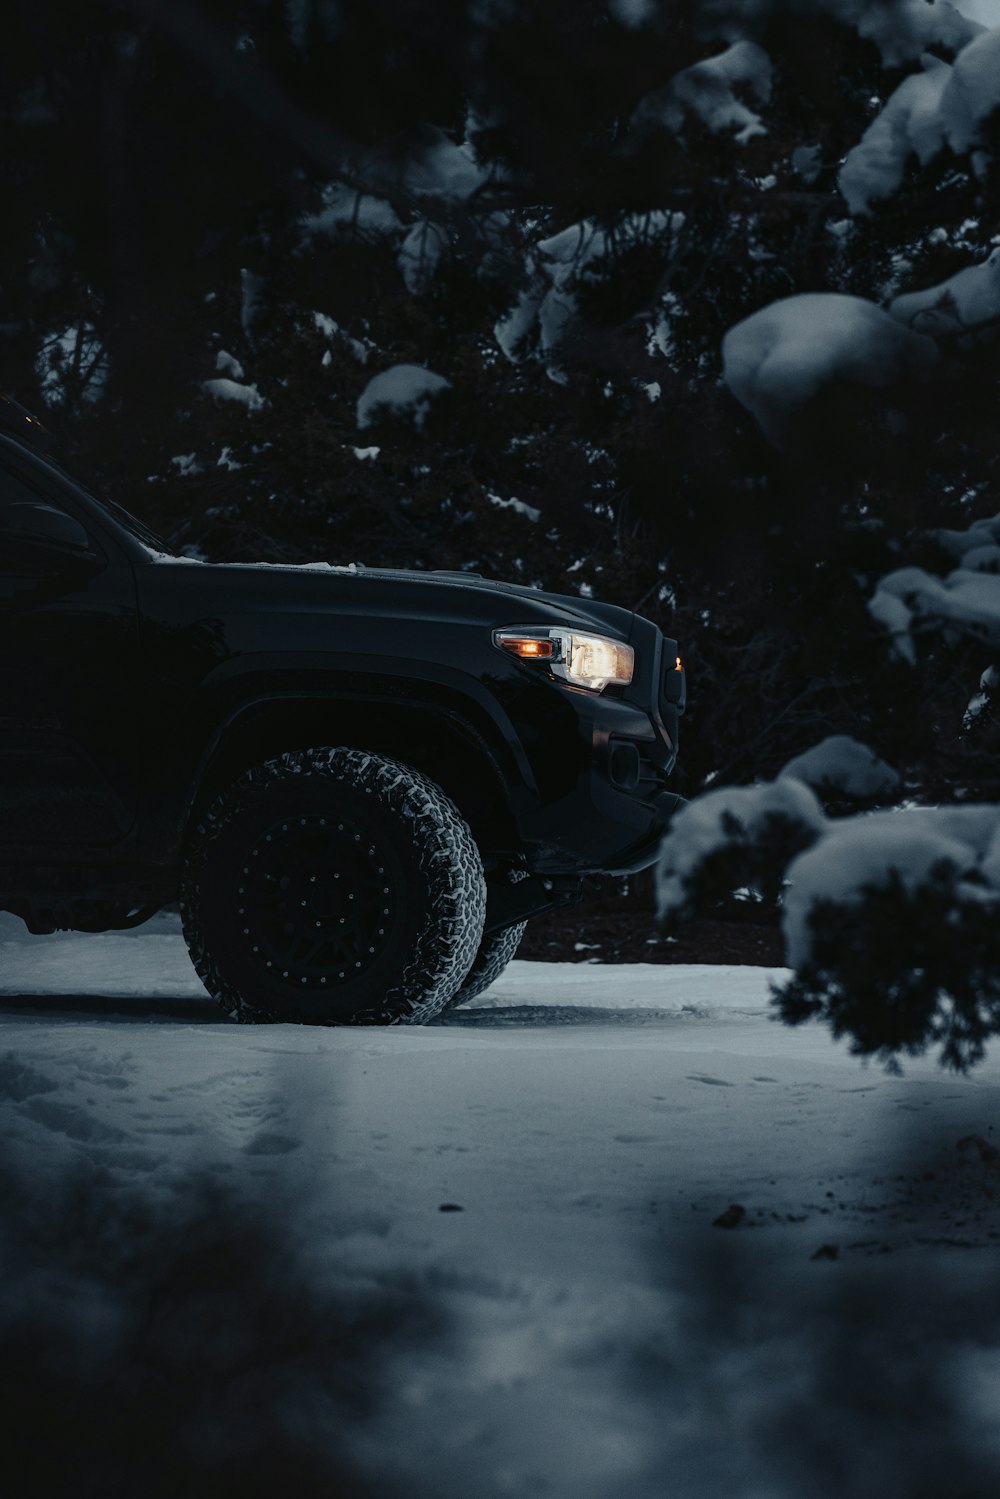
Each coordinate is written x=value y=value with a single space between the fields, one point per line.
x=316 y=903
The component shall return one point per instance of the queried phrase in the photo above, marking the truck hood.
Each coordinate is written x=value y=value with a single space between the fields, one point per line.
x=400 y=591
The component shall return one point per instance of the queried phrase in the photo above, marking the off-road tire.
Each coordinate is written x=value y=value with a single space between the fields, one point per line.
x=492 y=958
x=274 y=934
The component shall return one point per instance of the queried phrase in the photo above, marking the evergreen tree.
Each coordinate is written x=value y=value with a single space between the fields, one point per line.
x=586 y=218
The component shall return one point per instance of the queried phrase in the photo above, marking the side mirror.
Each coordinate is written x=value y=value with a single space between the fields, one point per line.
x=47 y=538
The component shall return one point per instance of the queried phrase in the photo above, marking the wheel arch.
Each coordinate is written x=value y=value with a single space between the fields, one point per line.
x=436 y=739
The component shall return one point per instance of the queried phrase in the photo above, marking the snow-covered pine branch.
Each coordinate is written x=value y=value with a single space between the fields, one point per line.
x=891 y=918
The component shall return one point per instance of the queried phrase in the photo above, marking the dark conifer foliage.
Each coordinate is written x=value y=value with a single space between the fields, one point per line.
x=187 y=185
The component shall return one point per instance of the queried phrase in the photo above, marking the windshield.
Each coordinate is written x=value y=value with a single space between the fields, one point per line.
x=137 y=527
x=129 y=522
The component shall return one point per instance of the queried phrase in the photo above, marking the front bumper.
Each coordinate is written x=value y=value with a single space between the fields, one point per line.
x=607 y=808
x=598 y=828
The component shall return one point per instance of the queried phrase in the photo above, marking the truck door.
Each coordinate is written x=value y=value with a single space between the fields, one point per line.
x=68 y=650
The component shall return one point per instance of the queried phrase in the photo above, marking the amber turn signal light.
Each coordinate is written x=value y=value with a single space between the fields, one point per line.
x=526 y=646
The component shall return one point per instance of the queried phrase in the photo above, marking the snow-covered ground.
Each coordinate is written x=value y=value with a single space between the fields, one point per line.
x=537 y=1178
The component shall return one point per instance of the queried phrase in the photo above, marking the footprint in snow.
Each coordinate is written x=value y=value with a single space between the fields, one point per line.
x=267 y=1143
x=703 y=1077
x=66 y=1119
x=19 y=1080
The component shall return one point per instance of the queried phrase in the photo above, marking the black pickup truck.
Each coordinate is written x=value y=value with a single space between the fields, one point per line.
x=358 y=783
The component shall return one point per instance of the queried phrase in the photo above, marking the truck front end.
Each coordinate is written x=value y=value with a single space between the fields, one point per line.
x=597 y=711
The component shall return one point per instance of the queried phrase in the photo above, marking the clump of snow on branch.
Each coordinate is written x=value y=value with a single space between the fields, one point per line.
x=713 y=91
x=72 y=365
x=330 y=328
x=404 y=390
x=531 y=512
x=224 y=389
x=944 y=105
x=781 y=357
x=422 y=249
x=516 y=326
x=911 y=124
x=840 y=764
x=559 y=265
x=729 y=822
x=444 y=170
x=633 y=12
x=966 y=601
x=251 y=297
x=901 y=29
x=228 y=364
x=347 y=211
x=891 y=919
x=858 y=854
x=989 y=681
x=965 y=306
x=973 y=92
x=888 y=610
x=892 y=923
x=978 y=544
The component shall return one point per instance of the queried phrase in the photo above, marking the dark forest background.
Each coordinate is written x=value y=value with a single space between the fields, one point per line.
x=183 y=181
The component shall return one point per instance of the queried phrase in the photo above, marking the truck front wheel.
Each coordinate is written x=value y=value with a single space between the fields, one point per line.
x=333 y=887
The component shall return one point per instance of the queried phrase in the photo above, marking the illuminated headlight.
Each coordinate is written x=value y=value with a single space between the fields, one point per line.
x=591 y=661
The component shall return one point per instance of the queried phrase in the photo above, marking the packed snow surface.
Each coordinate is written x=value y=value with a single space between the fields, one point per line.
x=543 y=1172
